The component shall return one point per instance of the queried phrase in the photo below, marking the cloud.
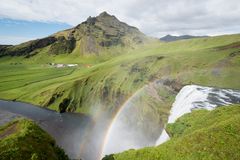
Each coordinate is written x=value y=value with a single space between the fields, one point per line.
x=153 y=17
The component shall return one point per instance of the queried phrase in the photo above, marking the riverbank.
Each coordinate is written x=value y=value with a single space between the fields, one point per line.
x=66 y=128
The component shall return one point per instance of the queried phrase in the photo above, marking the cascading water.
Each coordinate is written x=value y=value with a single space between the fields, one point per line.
x=136 y=124
x=198 y=97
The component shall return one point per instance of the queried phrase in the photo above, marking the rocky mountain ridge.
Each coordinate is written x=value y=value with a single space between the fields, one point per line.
x=90 y=37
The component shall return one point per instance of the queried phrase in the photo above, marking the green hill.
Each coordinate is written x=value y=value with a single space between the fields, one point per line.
x=199 y=135
x=22 y=140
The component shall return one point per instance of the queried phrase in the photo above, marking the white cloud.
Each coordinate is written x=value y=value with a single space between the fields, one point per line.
x=153 y=17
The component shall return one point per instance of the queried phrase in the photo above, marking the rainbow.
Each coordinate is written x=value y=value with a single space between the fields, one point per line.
x=115 y=117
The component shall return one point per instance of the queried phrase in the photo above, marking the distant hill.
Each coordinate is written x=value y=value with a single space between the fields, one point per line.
x=90 y=37
x=170 y=38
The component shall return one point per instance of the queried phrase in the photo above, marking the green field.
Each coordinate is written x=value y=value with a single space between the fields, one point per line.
x=22 y=139
x=200 y=135
x=112 y=78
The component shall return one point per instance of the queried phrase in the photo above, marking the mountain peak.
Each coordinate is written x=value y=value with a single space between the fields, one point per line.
x=109 y=25
x=104 y=14
x=106 y=18
x=103 y=17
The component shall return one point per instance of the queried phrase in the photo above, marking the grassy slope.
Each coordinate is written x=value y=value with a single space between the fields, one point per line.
x=22 y=139
x=113 y=76
x=116 y=75
x=199 y=135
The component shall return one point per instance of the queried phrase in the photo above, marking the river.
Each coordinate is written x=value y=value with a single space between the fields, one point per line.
x=67 y=129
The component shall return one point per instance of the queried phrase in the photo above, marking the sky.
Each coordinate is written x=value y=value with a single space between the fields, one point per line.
x=22 y=20
x=18 y=31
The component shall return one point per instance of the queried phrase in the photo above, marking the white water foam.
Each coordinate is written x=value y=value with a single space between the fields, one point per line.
x=198 y=97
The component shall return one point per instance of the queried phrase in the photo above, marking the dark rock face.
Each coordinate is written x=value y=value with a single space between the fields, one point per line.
x=3 y=48
x=28 y=47
x=42 y=42
x=91 y=20
x=91 y=45
x=63 y=45
x=53 y=98
x=172 y=83
x=63 y=106
x=110 y=42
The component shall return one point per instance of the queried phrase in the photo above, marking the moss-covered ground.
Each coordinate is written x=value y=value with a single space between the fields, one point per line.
x=22 y=139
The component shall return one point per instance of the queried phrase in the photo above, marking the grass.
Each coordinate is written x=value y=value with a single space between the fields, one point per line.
x=22 y=139
x=118 y=73
x=202 y=134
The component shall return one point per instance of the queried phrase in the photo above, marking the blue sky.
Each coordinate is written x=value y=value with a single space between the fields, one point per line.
x=22 y=20
x=18 y=31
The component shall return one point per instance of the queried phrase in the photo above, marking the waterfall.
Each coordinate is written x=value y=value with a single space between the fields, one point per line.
x=198 y=97
x=136 y=124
